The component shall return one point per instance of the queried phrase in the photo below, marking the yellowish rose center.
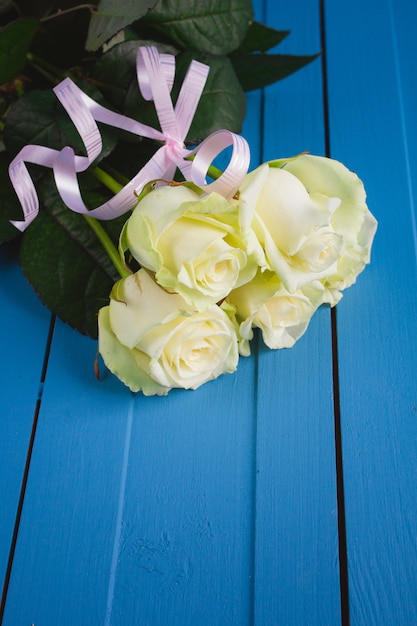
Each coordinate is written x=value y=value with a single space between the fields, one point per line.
x=320 y=250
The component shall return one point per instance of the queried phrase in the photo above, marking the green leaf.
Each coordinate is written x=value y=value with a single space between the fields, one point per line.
x=257 y=70
x=32 y=119
x=223 y=103
x=115 y=71
x=38 y=118
x=261 y=38
x=66 y=264
x=213 y=26
x=113 y=15
x=15 y=40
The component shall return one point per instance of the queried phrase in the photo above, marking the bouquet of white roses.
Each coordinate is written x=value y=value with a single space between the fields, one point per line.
x=296 y=234
x=202 y=263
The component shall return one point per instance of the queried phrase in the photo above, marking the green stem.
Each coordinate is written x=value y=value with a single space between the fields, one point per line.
x=108 y=245
x=213 y=171
x=103 y=85
x=91 y=7
x=51 y=72
x=105 y=240
x=118 y=177
x=107 y=180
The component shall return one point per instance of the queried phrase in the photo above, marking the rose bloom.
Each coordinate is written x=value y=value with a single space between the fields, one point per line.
x=351 y=219
x=154 y=341
x=312 y=221
x=265 y=303
x=193 y=243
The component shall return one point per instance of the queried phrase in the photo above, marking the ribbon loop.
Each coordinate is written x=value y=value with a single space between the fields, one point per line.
x=155 y=74
x=83 y=121
x=166 y=65
x=228 y=183
x=189 y=96
x=153 y=86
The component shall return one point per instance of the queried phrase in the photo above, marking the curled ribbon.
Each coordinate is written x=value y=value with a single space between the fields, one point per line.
x=155 y=74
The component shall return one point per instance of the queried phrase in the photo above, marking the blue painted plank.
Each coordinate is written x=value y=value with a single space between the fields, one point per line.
x=138 y=510
x=71 y=497
x=296 y=565
x=186 y=558
x=372 y=96
x=142 y=510
x=23 y=335
x=185 y=554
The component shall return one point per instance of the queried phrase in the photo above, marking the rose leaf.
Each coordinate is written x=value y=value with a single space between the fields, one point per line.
x=258 y=70
x=15 y=40
x=261 y=38
x=222 y=104
x=214 y=26
x=112 y=16
x=38 y=118
x=64 y=261
x=115 y=70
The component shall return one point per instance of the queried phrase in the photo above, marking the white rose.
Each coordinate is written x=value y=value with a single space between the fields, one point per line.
x=194 y=244
x=265 y=303
x=154 y=341
x=326 y=179
x=293 y=228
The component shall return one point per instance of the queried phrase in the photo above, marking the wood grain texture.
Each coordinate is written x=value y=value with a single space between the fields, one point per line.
x=138 y=510
x=218 y=507
x=23 y=337
x=372 y=99
x=296 y=571
x=211 y=508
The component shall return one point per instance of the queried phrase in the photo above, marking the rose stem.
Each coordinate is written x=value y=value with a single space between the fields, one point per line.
x=91 y=8
x=213 y=171
x=49 y=71
x=97 y=227
x=107 y=180
x=108 y=245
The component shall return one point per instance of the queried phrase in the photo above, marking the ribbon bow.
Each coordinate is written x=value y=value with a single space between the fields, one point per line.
x=155 y=73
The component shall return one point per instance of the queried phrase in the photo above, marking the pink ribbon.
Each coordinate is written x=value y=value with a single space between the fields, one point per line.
x=155 y=73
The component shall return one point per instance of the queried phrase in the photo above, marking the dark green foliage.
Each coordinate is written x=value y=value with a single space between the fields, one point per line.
x=41 y=43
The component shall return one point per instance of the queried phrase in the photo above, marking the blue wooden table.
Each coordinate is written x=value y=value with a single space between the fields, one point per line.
x=285 y=494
